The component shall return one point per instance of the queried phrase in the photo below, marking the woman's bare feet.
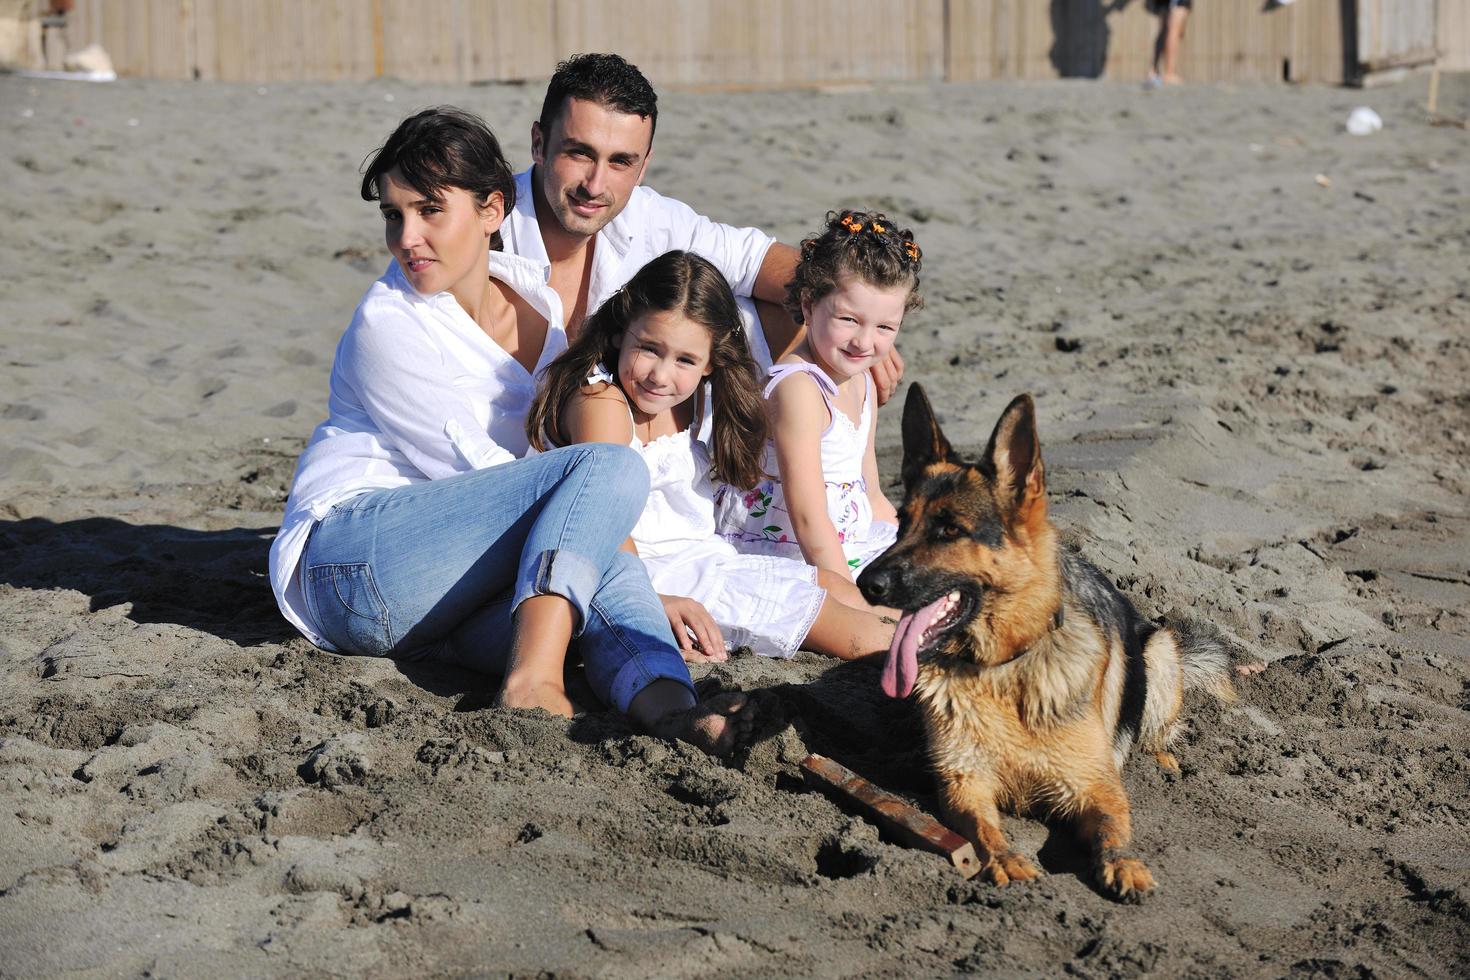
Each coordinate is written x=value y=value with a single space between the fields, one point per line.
x=542 y=628
x=718 y=724
x=548 y=695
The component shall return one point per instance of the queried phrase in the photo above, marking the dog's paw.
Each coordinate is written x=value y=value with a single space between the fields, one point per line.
x=1002 y=869
x=1168 y=764
x=1125 y=878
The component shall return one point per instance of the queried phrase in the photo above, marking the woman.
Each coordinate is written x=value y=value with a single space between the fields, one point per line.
x=413 y=529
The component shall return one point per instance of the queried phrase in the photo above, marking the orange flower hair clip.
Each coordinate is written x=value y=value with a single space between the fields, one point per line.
x=852 y=225
x=878 y=229
x=912 y=251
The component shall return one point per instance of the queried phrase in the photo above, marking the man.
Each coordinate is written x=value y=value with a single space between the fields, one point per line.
x=581 y=210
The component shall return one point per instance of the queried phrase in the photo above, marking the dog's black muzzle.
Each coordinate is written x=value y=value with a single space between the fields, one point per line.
x=886 y=582
x=879 y=583
x=892 y=581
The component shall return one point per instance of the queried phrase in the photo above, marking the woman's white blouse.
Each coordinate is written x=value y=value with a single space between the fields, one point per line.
x=418 y=392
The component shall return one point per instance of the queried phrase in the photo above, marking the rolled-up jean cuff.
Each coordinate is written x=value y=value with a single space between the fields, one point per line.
x=641 y=671
x=562 y=573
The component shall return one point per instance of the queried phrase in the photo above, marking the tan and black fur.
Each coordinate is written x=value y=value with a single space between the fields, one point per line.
x=1037 y=687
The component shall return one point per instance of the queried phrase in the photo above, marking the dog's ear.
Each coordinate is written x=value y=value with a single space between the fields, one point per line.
x=1015 y=454
x=923 y=443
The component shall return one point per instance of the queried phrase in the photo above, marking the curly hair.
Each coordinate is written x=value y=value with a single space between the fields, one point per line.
x=863 y=244
x=679 y=282
x=440 y=148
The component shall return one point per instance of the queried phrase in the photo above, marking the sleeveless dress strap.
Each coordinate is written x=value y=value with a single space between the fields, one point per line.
x=780 y=372
x=870 y=406
x=704 y=417
x=600 y=374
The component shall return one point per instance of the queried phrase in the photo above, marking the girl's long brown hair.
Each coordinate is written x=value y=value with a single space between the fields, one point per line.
x=679 y=282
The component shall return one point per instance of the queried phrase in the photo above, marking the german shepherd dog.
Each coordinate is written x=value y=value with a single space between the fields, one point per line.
x=1035 y=675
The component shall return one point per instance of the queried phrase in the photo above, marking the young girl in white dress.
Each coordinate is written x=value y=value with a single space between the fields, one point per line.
x=663 y=366
x=822 y=502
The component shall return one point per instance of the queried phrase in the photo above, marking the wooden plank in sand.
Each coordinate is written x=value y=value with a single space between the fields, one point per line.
x=906 y=824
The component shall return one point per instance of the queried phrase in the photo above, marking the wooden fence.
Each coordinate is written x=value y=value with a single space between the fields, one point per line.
x=1454 y=35
x=752 y=43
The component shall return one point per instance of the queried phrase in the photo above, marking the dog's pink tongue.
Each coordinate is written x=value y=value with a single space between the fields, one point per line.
x=901 y=668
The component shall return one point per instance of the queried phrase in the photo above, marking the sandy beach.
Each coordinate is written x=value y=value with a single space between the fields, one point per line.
x=1248 y=335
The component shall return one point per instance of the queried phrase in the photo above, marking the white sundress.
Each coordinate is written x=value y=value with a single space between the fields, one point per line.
x=765 y=603
x=757 y=521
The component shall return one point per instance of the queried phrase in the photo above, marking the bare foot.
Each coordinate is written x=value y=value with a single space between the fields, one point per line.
x=717 y=725
x=547 y=695
x=1246 y=670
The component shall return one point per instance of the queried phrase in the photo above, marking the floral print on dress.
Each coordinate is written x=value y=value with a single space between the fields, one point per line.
x=756 y=521
x=759 y=503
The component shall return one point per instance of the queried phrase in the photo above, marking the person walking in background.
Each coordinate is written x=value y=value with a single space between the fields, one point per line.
x=1172 y=16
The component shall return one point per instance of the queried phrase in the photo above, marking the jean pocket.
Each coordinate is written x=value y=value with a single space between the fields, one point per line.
x=348 y=609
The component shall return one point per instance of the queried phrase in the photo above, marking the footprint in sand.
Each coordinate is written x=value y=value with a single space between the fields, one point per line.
x=364 y=260
x=22 y=413
x=299 y=357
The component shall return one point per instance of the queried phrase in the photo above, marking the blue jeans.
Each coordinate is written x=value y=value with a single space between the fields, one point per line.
x=435 y=571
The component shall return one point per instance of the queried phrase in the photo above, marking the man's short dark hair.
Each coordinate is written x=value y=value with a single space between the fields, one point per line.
x=606 y=79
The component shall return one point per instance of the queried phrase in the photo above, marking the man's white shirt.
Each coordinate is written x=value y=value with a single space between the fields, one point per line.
x=647 y=227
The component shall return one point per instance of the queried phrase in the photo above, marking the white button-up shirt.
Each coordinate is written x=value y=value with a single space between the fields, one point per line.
x=647 y=227
x=418 y=392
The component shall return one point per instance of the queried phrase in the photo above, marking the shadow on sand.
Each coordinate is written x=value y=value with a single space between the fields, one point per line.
x=212 y=581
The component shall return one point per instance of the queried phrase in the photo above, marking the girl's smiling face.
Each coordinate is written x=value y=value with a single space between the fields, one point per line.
x=662 y=358
x=440 y=242
x=853 y=327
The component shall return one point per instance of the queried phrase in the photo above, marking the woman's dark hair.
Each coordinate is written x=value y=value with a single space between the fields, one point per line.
x=862 y=244
x=679 y=282
x=603 y=79
x=440 y=148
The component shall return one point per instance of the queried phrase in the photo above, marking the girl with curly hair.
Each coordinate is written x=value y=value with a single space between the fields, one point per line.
x=822 y=502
